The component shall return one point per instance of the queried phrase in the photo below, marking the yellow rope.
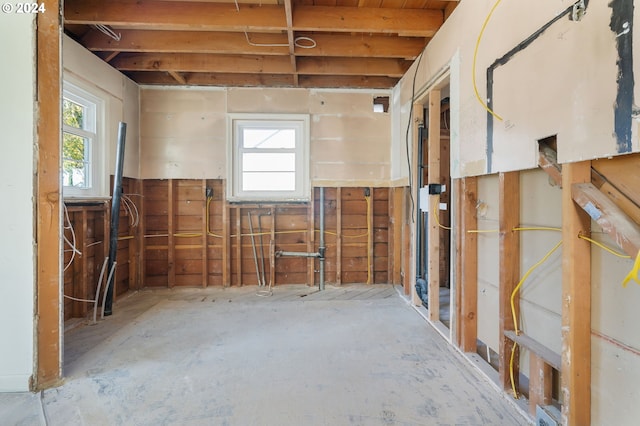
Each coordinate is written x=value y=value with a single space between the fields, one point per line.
x=604 y=247
x=436 y=210
x=523 y=279
x=513 y=311
x=537 y=228
x=511 y=371
x=475 y=56
x=634 y=274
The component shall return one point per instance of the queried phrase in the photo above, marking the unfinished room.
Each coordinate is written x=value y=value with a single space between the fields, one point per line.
x=320 y=212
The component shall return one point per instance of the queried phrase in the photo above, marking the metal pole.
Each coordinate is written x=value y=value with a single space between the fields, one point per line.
x=321 y=248
x=115 y=216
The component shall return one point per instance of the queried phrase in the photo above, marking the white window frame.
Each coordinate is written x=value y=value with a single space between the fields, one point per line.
x=94 y=131
x=235 y=124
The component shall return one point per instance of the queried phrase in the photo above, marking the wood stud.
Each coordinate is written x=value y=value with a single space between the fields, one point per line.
x=576 y=301
x=509 y=195
x=433 y=237
x=469 y=261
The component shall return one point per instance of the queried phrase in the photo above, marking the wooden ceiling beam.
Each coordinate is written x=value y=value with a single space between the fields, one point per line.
x=213 y=79
x=338 y=81
x=364 y=46
x=353 y=66
x=195 y=62
x=405 y=22
x=176 y=15
x=187 y=42
x=375 y=46
x=146 y=14
x=288 y=8
x=178 y=77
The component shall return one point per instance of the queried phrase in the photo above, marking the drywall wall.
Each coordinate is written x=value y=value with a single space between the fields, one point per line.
x=121 y=103
x=541 y=294
x=184 y=132
x=17 y=262
x=615 y=343
x=564 y=83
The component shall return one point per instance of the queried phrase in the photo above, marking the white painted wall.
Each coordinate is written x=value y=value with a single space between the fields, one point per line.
x=564 y=83
x=17 y=262
x=121 y=103
x=183 y=131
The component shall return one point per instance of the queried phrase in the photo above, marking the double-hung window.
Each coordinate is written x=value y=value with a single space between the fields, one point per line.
x=81 y=171
x=269 y=157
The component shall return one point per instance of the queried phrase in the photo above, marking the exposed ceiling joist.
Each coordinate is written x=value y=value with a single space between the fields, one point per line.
x=236 y=43
x=145 y=14
x=280 y=43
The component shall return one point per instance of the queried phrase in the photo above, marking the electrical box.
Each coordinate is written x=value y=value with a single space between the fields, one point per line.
x=423 y=199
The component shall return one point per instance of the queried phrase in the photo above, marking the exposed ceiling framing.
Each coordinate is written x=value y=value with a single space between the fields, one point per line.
x=277 y=43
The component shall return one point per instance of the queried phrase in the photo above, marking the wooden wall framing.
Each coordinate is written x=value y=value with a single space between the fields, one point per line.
x=48 y=369
x=358 y=247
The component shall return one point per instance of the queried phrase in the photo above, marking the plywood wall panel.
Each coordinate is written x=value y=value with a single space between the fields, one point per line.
x=291 y=233
x=183 y=133
x=267 y=100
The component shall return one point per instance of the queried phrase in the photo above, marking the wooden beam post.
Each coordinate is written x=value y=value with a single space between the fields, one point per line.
x=469 y=265
x=370 y=251
x=239 y=245
x=509 y=194
x=272 y=269
x=540 y=382
x=47 y=199
x=226 y=240
x=396 y=198
x=576 y=301
x=408 y=248
x=311 y=271
x=339 y=236
x=141 y=234
x=206 y=215
x=171 y=242
x=413 y=216
x=433 y=237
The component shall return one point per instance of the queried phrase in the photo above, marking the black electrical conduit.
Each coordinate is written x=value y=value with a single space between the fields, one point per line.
x=503 y=60
x=115 y=218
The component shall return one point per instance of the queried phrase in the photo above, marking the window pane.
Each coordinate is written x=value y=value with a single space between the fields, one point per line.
x=268 y=181
x=268 y=138
x=269 y=162
x=73 y=114
x=75 y=165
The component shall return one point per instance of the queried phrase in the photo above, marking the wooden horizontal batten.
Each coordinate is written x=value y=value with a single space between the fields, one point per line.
x=364 y=45
x=201 y=62
x=550 y=357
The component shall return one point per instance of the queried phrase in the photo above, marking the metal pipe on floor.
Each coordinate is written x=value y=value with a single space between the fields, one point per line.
x=321 y=247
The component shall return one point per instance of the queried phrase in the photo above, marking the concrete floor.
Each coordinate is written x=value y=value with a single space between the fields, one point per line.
x=356 y=355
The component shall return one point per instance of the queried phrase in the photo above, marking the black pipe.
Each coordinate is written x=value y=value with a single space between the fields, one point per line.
x=420 y=225
x=115 y=215
x=502 y=61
